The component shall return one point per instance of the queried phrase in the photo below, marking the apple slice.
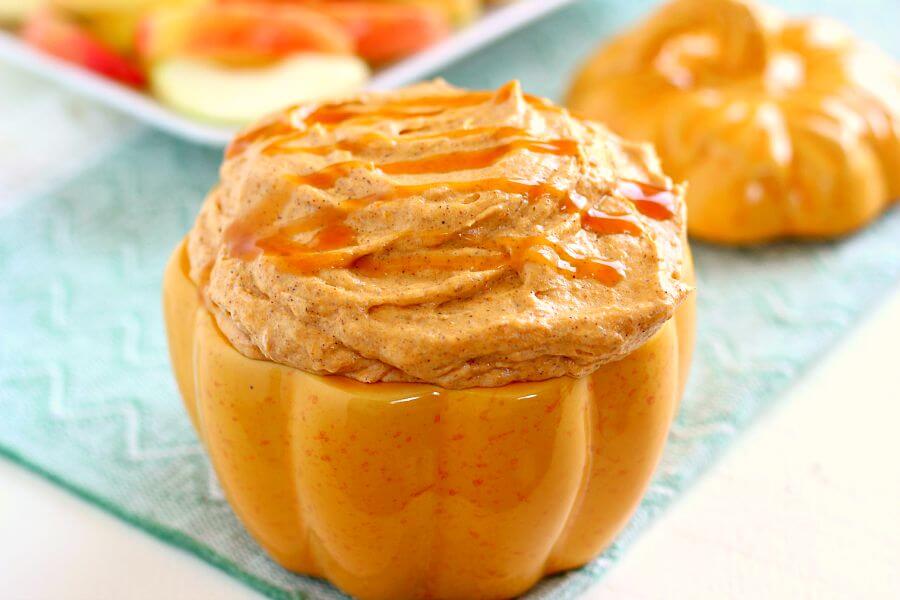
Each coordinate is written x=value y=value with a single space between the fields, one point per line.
x=93 y=7
x=216 y=92
x=460 y=12
x=239 y=33
x=387 y=32
x=115 y=29
x=13 y=12
x=114 y=22
x=382 y=31
x=47 y=31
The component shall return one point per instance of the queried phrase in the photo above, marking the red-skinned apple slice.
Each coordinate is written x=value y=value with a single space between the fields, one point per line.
x=386 y=32
x=383 y=32
x=240 y=33
x=51 y=33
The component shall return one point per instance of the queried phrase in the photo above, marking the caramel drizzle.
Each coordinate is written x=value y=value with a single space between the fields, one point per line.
x=655 y=202
x=333 y=114
x=419 y=106
x=437 y=163
x=502 y=251
x=334 y=244
x=376 y=141
x=332 y=248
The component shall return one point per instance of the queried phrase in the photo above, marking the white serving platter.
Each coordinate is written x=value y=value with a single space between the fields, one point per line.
x=492 y=25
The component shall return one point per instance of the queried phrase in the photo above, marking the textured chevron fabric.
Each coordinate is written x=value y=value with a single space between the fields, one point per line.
x=91 y=203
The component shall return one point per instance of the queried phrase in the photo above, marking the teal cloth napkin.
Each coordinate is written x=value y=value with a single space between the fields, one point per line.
x=86 y=396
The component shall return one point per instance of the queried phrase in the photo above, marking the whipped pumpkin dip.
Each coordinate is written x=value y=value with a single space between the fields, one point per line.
x=436 y=235
x=433 y=339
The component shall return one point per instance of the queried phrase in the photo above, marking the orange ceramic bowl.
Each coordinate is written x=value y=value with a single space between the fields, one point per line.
x=413 y=491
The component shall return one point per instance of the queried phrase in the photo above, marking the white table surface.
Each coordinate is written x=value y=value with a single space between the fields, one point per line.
x=805 y=505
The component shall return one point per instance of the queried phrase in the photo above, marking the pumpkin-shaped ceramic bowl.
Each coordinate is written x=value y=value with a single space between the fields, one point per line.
x=782 y=127
x=393 y=490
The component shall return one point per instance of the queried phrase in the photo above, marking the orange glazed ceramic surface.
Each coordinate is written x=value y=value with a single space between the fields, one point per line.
x=782 y=127
x=432 y=338
x=394 y=490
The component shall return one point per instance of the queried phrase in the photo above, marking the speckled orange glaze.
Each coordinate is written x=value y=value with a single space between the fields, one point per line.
x=395 y=491
x=782 y=127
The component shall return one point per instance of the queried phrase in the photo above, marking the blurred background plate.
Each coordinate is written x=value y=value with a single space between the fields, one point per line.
x=492 y=25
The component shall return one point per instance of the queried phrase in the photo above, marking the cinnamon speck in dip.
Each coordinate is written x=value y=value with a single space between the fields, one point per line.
x=433 y=234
